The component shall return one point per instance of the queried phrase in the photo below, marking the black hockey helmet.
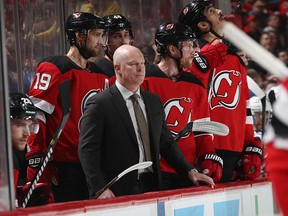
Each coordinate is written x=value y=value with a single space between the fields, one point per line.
x=82 y=22
x=192 y=14
x=172 y=33
x=21 y=107
x=118 y=22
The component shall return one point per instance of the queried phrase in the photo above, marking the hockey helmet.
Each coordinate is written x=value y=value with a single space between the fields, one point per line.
x=118 y=22
x=256 y=104
x=82 y=22
x=21 y=107
x=192 y=14
x=172 y=33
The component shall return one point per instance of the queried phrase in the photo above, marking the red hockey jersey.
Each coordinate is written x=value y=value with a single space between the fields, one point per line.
x=44 y=94
x=183 y=98
x=229 y=104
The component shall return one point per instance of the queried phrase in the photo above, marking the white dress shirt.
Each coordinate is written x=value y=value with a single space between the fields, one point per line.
x=126 y=96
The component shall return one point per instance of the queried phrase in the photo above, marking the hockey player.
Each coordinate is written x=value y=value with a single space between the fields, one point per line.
x=228 y=94
x=257 y=112
x=84 y=33
x=119 y=31
x=23 y=123
x=183 y=97
x=277 y=147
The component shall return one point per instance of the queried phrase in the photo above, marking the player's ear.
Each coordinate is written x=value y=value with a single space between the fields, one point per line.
x=80 y=36
x=204 y=26
x=171 y=48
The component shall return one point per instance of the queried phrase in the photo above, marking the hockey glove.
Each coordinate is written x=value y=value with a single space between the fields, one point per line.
x=251 y=162
x=214 y=54
x=50 y=173
x=211 y=165
x=41 y=194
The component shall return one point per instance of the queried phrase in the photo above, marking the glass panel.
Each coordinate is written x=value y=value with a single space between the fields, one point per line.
x=144 y=15
x=33 y=29
x=6 y=176
x=10 y=46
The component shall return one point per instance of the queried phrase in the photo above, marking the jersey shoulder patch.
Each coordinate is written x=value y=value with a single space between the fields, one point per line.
x=201 y=63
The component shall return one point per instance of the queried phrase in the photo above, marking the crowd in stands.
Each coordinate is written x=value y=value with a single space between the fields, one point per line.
x=268 y=25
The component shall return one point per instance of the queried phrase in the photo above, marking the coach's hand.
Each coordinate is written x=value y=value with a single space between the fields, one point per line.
x=196 y=177
x=106 y=194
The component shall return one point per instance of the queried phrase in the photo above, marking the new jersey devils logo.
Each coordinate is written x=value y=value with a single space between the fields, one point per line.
x=225 y=90
x=178 y=113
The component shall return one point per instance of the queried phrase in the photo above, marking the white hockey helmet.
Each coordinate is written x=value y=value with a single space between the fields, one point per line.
x=256 y=104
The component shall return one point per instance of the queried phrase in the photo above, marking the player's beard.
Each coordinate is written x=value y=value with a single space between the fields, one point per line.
x=91 y=52
x=88 y=51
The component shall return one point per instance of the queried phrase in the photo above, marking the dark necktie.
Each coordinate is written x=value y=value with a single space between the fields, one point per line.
x=142 y=126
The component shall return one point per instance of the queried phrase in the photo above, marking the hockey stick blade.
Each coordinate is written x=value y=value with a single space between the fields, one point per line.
x=141 y=165
x=64 y=91
x=211 y=127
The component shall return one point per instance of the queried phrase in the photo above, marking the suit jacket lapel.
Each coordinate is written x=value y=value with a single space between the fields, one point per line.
x=120 y=106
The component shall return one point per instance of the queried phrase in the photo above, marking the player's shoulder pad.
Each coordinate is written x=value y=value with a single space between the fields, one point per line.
x=152 y=70
x=106 y=66
x=63 y=63
x=201 y=63
x=95 y=68
x=191 y=78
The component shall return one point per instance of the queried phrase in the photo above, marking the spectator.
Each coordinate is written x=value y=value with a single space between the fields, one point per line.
x=275 y=23
x=283 y=56
x=255 y=75
x=119 y=32
x=259 y=9
x=84 y=32
x=256 y=72
x=283 y=8
x=112 y=140
x=228 y=94
x=269 y=41
x=252 y=27
x=268 y=84
x=182 y=96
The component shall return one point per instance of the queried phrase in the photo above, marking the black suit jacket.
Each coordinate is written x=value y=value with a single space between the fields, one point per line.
x=108 y=143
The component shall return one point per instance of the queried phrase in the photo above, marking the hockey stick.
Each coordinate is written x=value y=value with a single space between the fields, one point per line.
x=64 y=91
x=213 y=127
x=254 y=50
x=255 y=88
x=142 y=165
